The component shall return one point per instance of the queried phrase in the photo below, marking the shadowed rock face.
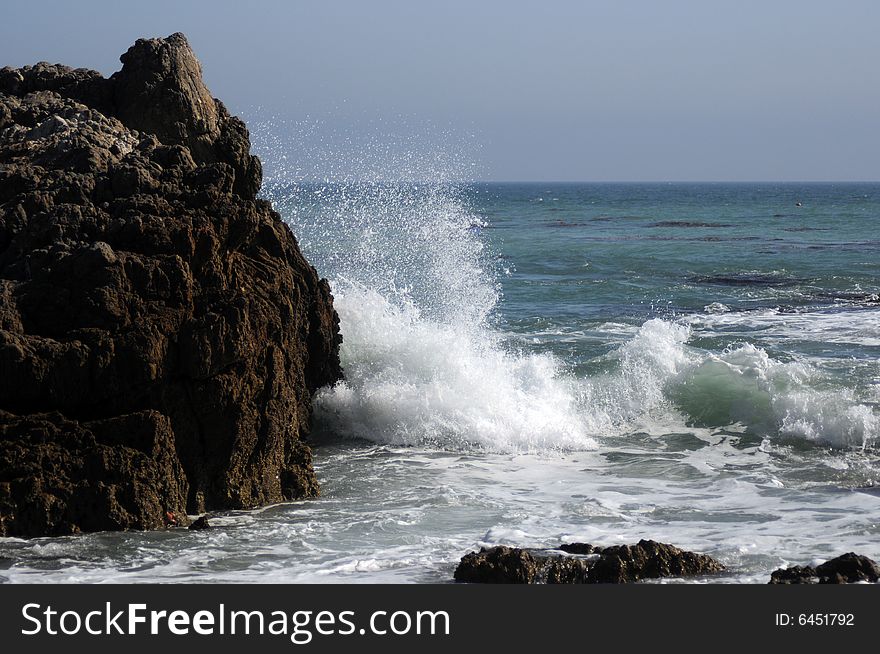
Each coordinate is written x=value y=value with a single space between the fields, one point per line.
x=160 y=331
x=604 y=565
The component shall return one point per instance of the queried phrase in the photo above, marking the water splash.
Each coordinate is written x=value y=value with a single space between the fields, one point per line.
x=411 y=380
x=416 y=289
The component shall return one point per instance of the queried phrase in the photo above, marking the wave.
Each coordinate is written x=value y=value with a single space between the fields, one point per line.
x=416 y=288
x=740 y=386
x=424 y=365
x=744 y=385
x=414 y=381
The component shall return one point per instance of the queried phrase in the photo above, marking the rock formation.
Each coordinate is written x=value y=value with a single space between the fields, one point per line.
x=844 y=569
x=160 y=331
x=583 y=564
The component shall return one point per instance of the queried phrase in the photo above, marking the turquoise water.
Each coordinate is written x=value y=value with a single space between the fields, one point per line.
x=532 y=363
x=634 y=251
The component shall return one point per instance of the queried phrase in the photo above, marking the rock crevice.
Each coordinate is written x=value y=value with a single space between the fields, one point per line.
x=160 y=331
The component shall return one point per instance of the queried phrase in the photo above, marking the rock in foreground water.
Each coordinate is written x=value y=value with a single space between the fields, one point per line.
x=845 y=569
x=583 y=564
x=201 y=523
x=160 y=331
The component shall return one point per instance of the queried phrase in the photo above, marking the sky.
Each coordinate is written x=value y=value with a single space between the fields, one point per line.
x=556 y=90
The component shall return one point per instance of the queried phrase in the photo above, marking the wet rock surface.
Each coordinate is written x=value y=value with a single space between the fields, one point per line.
x=160 y=331
x=201 y=523
x=583 y=563
x=845 y=569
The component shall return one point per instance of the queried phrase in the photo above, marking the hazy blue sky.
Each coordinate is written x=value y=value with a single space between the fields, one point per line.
x=550 y=90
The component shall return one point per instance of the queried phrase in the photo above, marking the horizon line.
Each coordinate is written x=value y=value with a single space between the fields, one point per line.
x=678 y=181
x=588 y=181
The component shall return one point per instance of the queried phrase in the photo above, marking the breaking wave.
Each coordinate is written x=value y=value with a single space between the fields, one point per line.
x=416 y=289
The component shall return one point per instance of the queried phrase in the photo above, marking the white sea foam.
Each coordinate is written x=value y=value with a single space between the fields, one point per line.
x=414 y=379
x=855 y=326
x=410 y=380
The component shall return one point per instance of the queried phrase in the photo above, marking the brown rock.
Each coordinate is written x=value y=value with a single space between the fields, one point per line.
x=160 y=91
x=160 y=331
x=60 y=477
x=509 y=565
x=845 y=569
x=648 y=560
x=605 y=565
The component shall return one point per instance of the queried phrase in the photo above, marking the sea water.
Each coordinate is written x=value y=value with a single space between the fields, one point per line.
x=528 y=364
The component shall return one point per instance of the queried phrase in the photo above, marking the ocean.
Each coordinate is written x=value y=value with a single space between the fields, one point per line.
x=528 y=364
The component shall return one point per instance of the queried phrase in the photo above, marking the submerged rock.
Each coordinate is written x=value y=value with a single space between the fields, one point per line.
x=845 y=569
x=160 y=331
x=201 y=523
x=589 y=565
